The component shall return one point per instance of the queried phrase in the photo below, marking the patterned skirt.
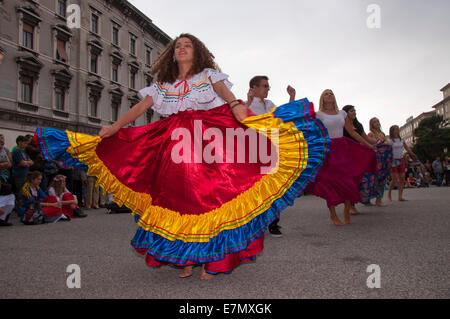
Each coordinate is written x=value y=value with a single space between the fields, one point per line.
x=372 y=185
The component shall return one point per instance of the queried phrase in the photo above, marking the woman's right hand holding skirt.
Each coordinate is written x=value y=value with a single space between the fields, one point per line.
x=108 y=131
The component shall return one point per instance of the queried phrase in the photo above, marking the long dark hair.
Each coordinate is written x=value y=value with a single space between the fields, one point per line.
x=358 y=126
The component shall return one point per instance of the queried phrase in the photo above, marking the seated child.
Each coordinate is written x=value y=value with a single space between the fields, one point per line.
x=57 y=192
x=35 y=208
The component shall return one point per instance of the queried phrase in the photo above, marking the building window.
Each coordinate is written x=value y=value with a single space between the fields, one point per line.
x=133 y=72
x=115 y=72
x=61 y=53
x=115 y=35
x=94 y=23
x=93 y=62
x=26 y=85
x=115 y=107
x=148 y=80
x=95 y=50
x=61 y=10
x=95 y=88
x=27 y=36
x=148 y=56
x=60 y=93
x=93 y=103
x=132 y=79
x=133 y=44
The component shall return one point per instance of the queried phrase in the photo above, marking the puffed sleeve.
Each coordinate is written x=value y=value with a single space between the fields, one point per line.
x=216 y=76
x=155 y=92
x=149 y=90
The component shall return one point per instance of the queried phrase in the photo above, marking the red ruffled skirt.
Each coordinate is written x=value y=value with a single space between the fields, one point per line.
x=197 y=195
x=55 y=211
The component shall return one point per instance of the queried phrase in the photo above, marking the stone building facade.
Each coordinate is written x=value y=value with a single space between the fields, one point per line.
x=407 y=130
x=74 y=64
x=443 y=107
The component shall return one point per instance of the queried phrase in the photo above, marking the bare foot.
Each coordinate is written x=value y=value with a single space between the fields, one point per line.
x=381 y=204
x=389 y=196
x=337 y=221
x=348 y=220
x=205 y=275
x=402 y=200
x=354 y=211
x=187 y=272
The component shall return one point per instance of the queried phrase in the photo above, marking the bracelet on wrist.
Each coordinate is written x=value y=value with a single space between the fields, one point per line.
x=232 y=107
x=234 y=103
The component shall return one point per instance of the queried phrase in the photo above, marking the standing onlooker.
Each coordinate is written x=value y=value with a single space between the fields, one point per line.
x=447 y=170
x=79 y=183
x=438 y=170
x=50 y=171
x=21 y=163
x=36 y=155
x=92 y=193
x=7 y=199
x=428 y=167
x=5 y=160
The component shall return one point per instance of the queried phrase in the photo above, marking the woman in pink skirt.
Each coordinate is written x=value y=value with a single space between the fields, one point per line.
x=338 y=180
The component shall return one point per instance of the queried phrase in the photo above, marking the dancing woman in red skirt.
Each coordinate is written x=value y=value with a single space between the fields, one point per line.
x=198 y=195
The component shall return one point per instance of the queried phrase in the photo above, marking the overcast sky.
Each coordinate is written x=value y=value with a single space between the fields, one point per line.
x=392 y=72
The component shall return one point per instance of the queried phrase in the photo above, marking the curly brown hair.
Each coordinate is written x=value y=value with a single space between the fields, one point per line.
x=165 y=69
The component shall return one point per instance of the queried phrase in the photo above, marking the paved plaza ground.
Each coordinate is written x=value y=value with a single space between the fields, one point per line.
x=408 y=241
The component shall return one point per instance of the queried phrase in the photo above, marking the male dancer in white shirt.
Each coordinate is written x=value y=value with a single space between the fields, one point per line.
x=259 y=104
x=258 y=92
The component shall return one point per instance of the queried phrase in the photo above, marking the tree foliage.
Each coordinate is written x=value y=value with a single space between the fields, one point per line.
x=432 y=138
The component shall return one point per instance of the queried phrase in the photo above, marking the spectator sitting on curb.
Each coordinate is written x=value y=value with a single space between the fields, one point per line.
x=69 y=203
x=36 y=208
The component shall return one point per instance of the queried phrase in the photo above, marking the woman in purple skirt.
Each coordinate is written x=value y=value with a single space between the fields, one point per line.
x=338 y=180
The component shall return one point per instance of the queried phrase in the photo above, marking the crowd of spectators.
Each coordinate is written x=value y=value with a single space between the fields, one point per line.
x=429 y=173
x=42 y=191
x=46 y=191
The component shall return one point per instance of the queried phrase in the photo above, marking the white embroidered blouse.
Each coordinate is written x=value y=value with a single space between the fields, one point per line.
x=194 y=94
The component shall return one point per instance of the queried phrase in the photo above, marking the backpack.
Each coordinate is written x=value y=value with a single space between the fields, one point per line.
x=114 y=208
x=5 y=187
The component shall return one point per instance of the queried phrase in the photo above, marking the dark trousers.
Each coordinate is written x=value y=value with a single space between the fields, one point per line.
x=274 y=224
